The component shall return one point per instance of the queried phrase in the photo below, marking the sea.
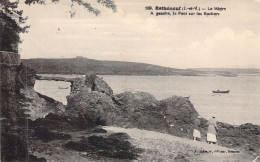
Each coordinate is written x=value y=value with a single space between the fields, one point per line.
x=241 y=105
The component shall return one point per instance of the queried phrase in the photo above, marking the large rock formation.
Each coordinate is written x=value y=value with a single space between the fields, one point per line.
x=136 y=109
x=19 y=103
x=19 y=80
x=139 y=110
x=245 y=135
x=92 y=98
x=174 y=115
x=179 y=115
x=91 y=83
x=96 y=108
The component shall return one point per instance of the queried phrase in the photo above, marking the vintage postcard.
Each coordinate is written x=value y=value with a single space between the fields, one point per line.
x=130 y=80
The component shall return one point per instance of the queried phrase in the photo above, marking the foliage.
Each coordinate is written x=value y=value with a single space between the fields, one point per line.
x=107 y=3
x=10 y=29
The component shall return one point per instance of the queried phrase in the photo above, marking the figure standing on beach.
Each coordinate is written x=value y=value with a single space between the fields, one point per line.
x=196 y=132
x=212 y=130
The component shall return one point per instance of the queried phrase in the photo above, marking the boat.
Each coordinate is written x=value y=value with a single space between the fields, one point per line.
x=218 y=91
x=63 y=87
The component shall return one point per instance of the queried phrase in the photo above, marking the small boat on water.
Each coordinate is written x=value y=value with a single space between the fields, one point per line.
x=218 y=91
x=63 y=87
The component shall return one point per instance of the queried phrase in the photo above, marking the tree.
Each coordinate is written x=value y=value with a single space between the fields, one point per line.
x=107 y=3
x=10 y=28
x=11 y=21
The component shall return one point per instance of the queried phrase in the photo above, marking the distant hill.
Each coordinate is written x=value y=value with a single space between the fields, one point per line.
x=84 y=65
x=237 y=71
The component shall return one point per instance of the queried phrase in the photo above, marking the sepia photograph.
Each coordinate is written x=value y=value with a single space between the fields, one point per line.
x=130 y=80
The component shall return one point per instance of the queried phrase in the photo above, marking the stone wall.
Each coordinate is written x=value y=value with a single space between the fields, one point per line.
x=8 y=75
x=9 y=58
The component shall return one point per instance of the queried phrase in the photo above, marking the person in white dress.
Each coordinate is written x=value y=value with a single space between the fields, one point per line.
x=196 y=131
x=212 y=130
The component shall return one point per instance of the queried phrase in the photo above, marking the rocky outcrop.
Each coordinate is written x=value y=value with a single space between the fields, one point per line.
x=18 y=81
x=139 y=110
x=95 y=142
x=38 y=106
x=98 y=84
x=46 y=135
x=178 y=110
x=91 y=100
x=19 y=103
x=62 y=122
x=91 y=83
x=97 y=108
x=179 y=115
x=246 y=136
x=110 y=146
x=174 y=115
x=28 y=117
x=132 y=110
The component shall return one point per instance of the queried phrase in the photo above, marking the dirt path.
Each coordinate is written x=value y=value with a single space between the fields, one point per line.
x=164 y=147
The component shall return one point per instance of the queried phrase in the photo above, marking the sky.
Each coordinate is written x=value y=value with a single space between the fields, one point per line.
x=230 y=40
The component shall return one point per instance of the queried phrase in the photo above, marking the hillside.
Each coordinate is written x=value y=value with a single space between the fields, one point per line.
x=237 y=71
x=84 y=65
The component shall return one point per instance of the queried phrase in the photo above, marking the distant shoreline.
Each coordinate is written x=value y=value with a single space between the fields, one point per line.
x=82 y=66
x=67 y=74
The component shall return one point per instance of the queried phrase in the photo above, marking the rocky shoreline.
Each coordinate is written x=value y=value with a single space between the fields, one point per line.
x=174 y=115
x=34 y=124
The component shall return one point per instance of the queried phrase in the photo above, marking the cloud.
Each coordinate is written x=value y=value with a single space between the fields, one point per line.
x=133 y=35
x=226 y=48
